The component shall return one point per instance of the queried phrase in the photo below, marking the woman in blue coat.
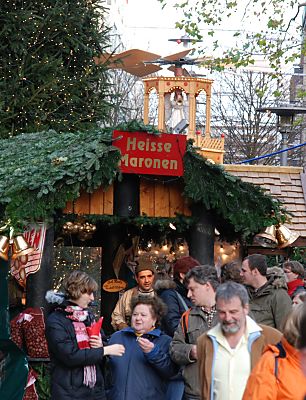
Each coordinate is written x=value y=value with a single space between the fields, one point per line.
x=143 y=371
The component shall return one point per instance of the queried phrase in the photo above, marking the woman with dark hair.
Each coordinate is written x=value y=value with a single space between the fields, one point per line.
x=144 y=369
x=76 y=358
x=231 y=272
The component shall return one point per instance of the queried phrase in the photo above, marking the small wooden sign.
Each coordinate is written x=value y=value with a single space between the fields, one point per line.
x=114 y=285
x=144 y=153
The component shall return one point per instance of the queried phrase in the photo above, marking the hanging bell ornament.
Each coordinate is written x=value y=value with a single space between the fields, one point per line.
x=4 y=247
x=267 y=237
x=285 y=236
x=20 y=247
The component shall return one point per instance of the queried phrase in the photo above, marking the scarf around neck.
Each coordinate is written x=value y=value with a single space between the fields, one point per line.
x=78 y=315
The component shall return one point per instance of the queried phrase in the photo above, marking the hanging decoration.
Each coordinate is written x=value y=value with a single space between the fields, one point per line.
x=83 y=229
x=28 y=262
x=279 y=236
x=11 y=245
x=15 y=249
x=156 y=229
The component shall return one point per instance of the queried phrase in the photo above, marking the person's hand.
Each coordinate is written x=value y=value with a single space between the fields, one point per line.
x=145 y=344
x=193 y=352
x=114 y=350
x=95 y=341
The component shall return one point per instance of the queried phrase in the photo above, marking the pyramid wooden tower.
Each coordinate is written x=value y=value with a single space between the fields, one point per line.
x=142 y=64
x=211 y=148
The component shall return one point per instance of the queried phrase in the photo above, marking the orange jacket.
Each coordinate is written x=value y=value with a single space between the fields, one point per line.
x=290 y=383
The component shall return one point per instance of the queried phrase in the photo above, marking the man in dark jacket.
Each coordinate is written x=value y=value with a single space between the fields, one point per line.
x=201 y=282
x=174 y=295
x=269 y=300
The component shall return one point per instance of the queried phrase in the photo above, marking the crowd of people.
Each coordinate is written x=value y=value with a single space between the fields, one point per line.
x=189 y=335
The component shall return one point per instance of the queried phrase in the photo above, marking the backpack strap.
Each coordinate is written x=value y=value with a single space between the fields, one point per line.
x=282 y=354
x=184 y=324
x=183 y=302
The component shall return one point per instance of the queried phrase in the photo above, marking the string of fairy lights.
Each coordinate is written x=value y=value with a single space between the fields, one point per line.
x=51 y=78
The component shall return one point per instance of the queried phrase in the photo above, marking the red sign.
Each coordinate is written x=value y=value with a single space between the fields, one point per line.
x=144 y=153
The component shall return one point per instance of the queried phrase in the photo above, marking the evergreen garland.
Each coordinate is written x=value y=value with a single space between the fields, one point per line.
x=137 y=126
x=40 y=172
x=242 y=205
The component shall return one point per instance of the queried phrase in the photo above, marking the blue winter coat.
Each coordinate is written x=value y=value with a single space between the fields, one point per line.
x=168 y=291
x=68 y=361
x=138 y=375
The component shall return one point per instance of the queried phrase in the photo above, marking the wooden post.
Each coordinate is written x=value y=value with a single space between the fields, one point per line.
x=161 y=111
x=202 y=236
x=4 y=307
x=126 y=196
x=208 y=106
x=192 y=114
x=111 y=240
x=146 y=109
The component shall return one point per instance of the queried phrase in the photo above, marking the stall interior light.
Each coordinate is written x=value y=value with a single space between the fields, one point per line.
x=172 y=226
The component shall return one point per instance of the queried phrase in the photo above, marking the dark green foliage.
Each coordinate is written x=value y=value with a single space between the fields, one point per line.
x=40 y=172
x=137 y=126
x=48 y=77
x=42 y=384
x=299 y=254
x=245 y=207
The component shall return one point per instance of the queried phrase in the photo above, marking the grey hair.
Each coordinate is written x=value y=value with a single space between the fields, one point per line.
x=203 y=274
x=228 y=290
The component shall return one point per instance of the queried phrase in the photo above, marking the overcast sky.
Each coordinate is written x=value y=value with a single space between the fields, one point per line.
x=149 y=27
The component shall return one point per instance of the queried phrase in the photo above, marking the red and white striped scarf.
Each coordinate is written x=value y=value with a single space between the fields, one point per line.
x=78 y=315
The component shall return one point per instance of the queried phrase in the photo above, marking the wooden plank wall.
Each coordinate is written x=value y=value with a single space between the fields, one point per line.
x=159 y=199
x=99 y=202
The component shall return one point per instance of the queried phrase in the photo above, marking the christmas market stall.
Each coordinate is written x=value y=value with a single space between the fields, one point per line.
x=81 y=200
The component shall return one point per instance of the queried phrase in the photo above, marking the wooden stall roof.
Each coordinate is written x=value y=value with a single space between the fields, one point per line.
x=288 y=184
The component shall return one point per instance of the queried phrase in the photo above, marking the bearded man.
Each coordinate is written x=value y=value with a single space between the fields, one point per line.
x=228 y=352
